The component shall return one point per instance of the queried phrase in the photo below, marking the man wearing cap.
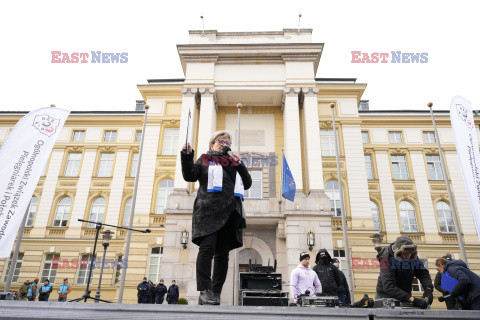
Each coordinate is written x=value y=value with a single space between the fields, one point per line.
x=161 y=290
x=143 y=288
x=64 y=290
x=399 y=264
x=343 y=290
x=303 y=280
x=172 y=293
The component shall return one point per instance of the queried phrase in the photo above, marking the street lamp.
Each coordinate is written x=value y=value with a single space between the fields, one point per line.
x=106 y=236
x=377 y=239
x=310 y=240
x=184 y=239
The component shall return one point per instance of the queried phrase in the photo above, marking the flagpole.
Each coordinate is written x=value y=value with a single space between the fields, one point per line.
x=236 y=268
x=342 y=203
x=281 y=188
x=13 y=262
x=447 y=182
x=132 y=211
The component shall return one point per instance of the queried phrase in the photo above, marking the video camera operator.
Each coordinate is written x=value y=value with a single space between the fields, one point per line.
x=399 y=264
x=303 y=279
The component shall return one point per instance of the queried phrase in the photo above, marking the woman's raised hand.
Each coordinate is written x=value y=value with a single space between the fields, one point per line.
x=189 y=149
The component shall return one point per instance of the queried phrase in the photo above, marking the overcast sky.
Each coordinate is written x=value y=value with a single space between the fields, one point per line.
x=150 y=30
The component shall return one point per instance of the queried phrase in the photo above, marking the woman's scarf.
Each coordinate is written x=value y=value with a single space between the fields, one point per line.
x=215 y=178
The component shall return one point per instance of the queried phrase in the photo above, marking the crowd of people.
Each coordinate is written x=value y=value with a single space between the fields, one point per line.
x=399 y=265
x=148 y=292
x=30 y=290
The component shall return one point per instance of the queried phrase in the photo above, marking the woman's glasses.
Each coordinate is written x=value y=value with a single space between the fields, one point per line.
x=223 y=142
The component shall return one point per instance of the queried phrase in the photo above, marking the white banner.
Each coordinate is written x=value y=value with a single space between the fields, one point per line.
x=23 y=156
x=464 y=131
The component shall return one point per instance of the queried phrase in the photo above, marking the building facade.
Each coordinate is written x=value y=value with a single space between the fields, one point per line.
x=391 y=173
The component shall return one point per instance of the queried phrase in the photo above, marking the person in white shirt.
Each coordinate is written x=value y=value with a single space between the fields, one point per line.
x=304 y=280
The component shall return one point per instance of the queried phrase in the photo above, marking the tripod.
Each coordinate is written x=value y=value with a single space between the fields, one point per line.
x=98 y=226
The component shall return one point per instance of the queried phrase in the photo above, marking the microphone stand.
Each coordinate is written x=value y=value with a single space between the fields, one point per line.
x=98 y=226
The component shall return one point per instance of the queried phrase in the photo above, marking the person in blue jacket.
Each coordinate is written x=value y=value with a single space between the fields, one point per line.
x=468 y=282
x=44 y=292
x=33 y=290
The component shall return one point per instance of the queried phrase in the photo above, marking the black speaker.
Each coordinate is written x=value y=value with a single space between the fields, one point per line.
x=264 y=298
x=260 y=281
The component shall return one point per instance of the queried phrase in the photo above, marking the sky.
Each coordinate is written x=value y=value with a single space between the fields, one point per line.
x=150 y=30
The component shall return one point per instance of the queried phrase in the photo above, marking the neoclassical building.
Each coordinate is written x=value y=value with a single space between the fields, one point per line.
x=390 y=171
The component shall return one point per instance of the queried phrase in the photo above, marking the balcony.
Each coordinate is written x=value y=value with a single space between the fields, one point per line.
x=56 y=232
x=157 y=220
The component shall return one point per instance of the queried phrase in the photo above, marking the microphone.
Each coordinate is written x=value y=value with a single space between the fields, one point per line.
x=227 y=150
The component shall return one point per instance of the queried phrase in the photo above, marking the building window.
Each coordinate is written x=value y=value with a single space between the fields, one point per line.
x=170 y=141
x=78 y=135
x=164 y=189
x=408 y=217
x=18 y=265
x=97 y=211
x=429 y=137
x=328 y=143
x=365 y=137
x=155 y=263
x=445 y=219
x=369 y=167
x=63 y=212
x=416 y=286
x=127 y=212
x=395 y=136
x=399 y=165
x=332 y=189
x=32 y=209
x=106 y=164
x=255 y=190
x=110 y=136
x=375 y=215
x=50 y=266
x=84 y=268
x=118 y=269
x=434 y=168
x=73 y=164
x=138 y=135
x=340 y=255
x=134 y=166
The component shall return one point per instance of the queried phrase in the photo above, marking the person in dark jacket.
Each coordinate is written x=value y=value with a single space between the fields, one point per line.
x=45 y=290
x=328 y=274
x=143 y=289
x=172 y=293
x=151 y=292
x=468 y=282
x=399 y=264
x=160 y=292
x=344 y=290
x=24 y=290
x=218 y=216
x=450 y=302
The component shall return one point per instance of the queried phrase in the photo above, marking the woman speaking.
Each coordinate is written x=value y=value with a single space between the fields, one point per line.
x=218 y=216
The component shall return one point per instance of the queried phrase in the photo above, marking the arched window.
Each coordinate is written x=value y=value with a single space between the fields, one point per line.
x=63 y=212
x=332 y=190
x=96 y=211
x=164 y=189
x=445 y=219
x=31 y=211
x=408 y=217
x=155 y=263
x=375 y=215
x=127 y=212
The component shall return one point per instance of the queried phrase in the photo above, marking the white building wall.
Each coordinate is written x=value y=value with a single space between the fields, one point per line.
x=356 y=172
x=413 y=135
x=116 y=191
x=379 y=135
x=386 y=188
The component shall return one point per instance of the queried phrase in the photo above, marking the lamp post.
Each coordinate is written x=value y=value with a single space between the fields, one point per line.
x=106 y=236
x=184 y=239
x=377 y=239
x=310 y=240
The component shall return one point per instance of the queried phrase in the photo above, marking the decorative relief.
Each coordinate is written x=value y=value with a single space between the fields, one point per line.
x=403 y=187
x=438 y=187
x=411 y=196
x=69 y=193
x=376 y=196
x=101 y=184
x=130 y=184
x=100 y=193
x=107 y=148
x=326 y=124
x=372 y=186
x=74 y=149
x=166 y=163
x=68 y=183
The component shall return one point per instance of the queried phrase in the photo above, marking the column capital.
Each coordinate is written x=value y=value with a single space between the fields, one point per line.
x=188 y=92
x=291 y=91
x=207 y=92
x=310 y=91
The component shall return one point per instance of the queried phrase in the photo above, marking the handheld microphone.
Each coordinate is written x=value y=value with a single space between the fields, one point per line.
x=227 y=150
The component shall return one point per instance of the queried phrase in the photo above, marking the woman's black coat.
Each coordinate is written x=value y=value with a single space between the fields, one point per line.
x=212 y=210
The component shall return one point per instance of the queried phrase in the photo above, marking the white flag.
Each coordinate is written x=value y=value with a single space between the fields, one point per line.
x=23 y=156
x=463 y=127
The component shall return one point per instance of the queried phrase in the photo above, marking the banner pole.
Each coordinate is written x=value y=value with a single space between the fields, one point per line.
x=132 y=212
x=236 y=269
x=447 y=182
x=344 y=213
x=13 y=262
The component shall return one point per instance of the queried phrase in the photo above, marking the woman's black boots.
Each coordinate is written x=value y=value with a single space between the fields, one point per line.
x=207 y=297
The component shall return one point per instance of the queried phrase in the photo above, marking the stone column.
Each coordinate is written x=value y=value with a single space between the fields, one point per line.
x=208 y=119
x=291 y=130
x=188 y=103
x=313 y=153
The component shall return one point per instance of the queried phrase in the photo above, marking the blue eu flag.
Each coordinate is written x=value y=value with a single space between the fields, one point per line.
x=288 y=187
